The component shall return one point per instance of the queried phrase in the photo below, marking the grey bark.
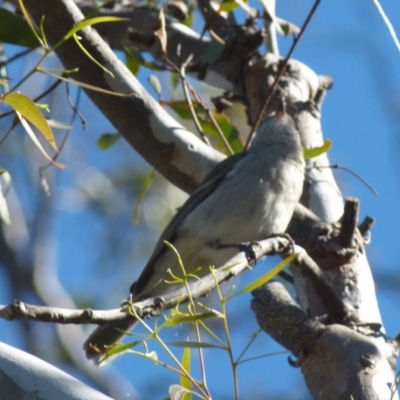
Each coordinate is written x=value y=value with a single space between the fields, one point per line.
x=23 y=376
x=182 y=158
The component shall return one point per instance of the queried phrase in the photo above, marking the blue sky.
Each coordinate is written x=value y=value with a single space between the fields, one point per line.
x=361 y=115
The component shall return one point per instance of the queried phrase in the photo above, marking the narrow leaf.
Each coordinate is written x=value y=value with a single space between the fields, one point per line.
x=15 y=30
x=35 y=140
x=269 y=275
x=90 y=57
x=85 y=85
x=286 y=28
x=131 y=60
x=228 y=5
x=31 y=112
x=174 y=80
x=133 y=57
x=107 y=140
x=117 y=350
x=147 y=182
x=182 y=318
x=190 y=18
x=30 y=23
x=155 y=83
x=185 y=381
x=181 y=107
x=316 y=151
x=229 y=130
x=91 y=21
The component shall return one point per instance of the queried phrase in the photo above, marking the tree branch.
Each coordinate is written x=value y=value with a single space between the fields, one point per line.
x=24 y=376
x=150 y=307
x=175 y=152
x=320 y=349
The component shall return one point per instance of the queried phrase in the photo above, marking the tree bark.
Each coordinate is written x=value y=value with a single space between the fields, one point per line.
x=348 y=351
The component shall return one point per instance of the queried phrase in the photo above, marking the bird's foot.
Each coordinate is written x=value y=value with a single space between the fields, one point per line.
x=290 y=248
x=246 y=247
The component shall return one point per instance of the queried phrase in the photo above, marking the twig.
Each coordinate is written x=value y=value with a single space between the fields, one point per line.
x=211 y=116
x=186 y=93
x=149 y=307
x=67 y=134
x=186 y=87
x=337 y=166
x=16 y=121
x=36 y=99
x=75 y=107
x=16 y=57
x=388 y=24
x=281 y=71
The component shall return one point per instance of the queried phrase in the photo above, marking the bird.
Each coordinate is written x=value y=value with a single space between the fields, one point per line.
x=246 y=198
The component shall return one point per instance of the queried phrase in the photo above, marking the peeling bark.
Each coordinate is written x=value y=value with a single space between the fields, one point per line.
x=337 y=334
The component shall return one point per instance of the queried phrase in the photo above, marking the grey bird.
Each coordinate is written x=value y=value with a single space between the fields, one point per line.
x=246 y=198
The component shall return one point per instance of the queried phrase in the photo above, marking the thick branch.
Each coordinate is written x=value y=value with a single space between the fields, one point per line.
x=24 y=376
x=176 y=153
x=367 y=373
x=279 y=316
x=150 y=307
x=337 y=310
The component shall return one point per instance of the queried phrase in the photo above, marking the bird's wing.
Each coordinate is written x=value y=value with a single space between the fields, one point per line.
x=209 y=184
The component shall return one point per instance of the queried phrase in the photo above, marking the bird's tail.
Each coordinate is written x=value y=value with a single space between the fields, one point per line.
x=105 y=335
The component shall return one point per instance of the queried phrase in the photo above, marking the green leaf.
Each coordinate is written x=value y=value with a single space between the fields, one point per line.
x=190 y=18
x=107 y=140
x=153 y=66
x=117 y=350
x=269 y=275
x=35 y=140
x=31 y=112
x=228 y=129
x=134 y=57
x=181 y=107
x=43 y=106
x=131 y=60
x=316 y=151
x=174 y=80
x=228 y=5
x=286 y=28
x=155 y=83
x=185 y=381
x=90 y=57
x=182 y=318
x=147 y=181
x=15 y=30
x=42 y=42
x=91 y=21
